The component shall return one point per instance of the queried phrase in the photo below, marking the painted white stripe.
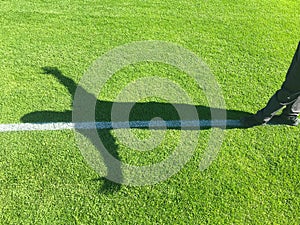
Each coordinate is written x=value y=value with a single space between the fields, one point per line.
x=118 y=125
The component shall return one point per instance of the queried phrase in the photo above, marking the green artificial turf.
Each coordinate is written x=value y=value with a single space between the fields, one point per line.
x=44 y=179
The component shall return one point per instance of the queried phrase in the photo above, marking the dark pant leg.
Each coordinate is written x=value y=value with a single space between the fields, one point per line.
x=292 y=83
x=292 y=79
x=293 y=109
x=288 y=93
x=272 y=107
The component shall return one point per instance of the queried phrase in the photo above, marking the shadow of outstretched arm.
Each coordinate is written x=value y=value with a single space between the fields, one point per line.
x=65 y=81
x=109 y=143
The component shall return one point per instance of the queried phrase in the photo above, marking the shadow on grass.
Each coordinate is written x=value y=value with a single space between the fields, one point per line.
x=139 y=112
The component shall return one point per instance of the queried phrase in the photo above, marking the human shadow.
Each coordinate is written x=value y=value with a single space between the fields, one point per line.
x=139 y=112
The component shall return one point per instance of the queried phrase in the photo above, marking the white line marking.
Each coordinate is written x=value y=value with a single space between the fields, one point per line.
x=118 y=125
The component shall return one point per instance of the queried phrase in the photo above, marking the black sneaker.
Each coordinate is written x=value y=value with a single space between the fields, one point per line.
x=251 y=121
x=286 y=120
